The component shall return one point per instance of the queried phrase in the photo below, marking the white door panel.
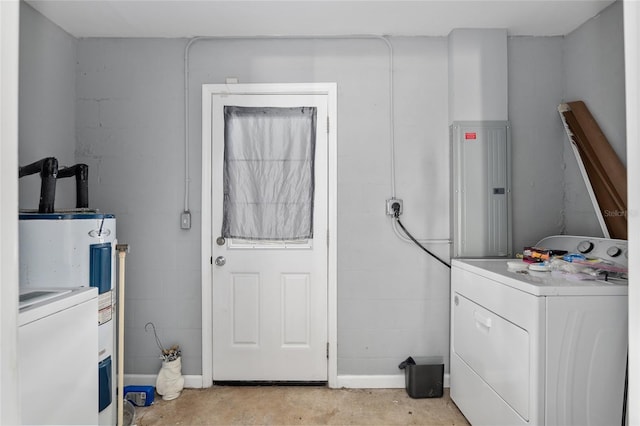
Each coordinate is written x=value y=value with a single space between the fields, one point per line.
x=270 y=298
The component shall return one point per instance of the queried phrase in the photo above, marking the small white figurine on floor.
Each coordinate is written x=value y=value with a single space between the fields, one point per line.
x=170 y=381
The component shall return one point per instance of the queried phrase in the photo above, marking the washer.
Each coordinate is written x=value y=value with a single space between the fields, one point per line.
x=58 y=355
x=540 y=348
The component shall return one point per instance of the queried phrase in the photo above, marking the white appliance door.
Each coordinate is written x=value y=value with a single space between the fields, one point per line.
x=496 y=349
x=58 y=367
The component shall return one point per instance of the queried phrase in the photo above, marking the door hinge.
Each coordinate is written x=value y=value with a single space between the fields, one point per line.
x=211 y=260
x=327 y=124
x=327 y=350
x=327 y=238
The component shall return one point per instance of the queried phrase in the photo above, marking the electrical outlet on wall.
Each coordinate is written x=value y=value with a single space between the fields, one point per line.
x=391 y=202
x=185 y=220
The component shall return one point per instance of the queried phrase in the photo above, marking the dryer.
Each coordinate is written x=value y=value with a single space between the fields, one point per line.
x=540 y=348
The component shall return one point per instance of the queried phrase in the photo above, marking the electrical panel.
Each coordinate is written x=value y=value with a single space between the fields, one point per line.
x=481 y=219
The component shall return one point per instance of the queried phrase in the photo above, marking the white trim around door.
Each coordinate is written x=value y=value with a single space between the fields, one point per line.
x=208 y=90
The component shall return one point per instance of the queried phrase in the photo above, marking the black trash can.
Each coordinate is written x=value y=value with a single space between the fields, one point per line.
x=423 y=376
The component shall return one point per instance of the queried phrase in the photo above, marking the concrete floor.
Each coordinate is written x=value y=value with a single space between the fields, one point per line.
x=298 y=405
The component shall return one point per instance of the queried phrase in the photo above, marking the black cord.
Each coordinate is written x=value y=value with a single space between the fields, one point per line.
x=626 y=395
x=417 y=243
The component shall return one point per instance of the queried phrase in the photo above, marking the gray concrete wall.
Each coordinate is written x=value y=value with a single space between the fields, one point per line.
x=535 y=90
x=594 y=73
x=47 y=103
x=130 y=132
x=393 y=301
x=478 y=75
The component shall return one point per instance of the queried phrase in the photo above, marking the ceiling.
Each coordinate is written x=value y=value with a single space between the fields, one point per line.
x=189 y=18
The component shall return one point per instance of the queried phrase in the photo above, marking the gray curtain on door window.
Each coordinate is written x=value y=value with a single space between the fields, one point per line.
x=268 y=173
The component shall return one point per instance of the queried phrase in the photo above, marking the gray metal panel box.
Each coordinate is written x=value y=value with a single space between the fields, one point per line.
x=481 y=189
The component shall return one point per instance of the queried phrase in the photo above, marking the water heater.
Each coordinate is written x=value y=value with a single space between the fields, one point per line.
x=77 y=249
x=481 y=216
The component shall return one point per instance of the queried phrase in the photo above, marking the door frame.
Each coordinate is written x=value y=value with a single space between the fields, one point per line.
x=208 y=90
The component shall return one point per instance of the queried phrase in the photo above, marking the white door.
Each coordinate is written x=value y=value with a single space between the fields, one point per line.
x=269 y=309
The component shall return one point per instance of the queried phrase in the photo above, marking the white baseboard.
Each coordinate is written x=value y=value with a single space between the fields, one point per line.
x=390 y=381
x=371 y=382
x=190 y=381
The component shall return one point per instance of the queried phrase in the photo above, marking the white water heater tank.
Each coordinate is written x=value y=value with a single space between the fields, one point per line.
x=77 y=250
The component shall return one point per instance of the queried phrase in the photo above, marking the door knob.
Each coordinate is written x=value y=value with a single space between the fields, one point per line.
x=220 y=261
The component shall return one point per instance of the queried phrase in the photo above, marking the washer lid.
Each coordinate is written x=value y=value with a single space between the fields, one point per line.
x=539 y=283
x=38 y=303
x=32 y=296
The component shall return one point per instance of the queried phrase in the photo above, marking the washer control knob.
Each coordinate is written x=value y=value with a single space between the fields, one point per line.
x=614 y=251
x=585 y=246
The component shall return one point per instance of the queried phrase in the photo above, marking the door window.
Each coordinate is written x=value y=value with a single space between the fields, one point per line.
x=268 y=175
